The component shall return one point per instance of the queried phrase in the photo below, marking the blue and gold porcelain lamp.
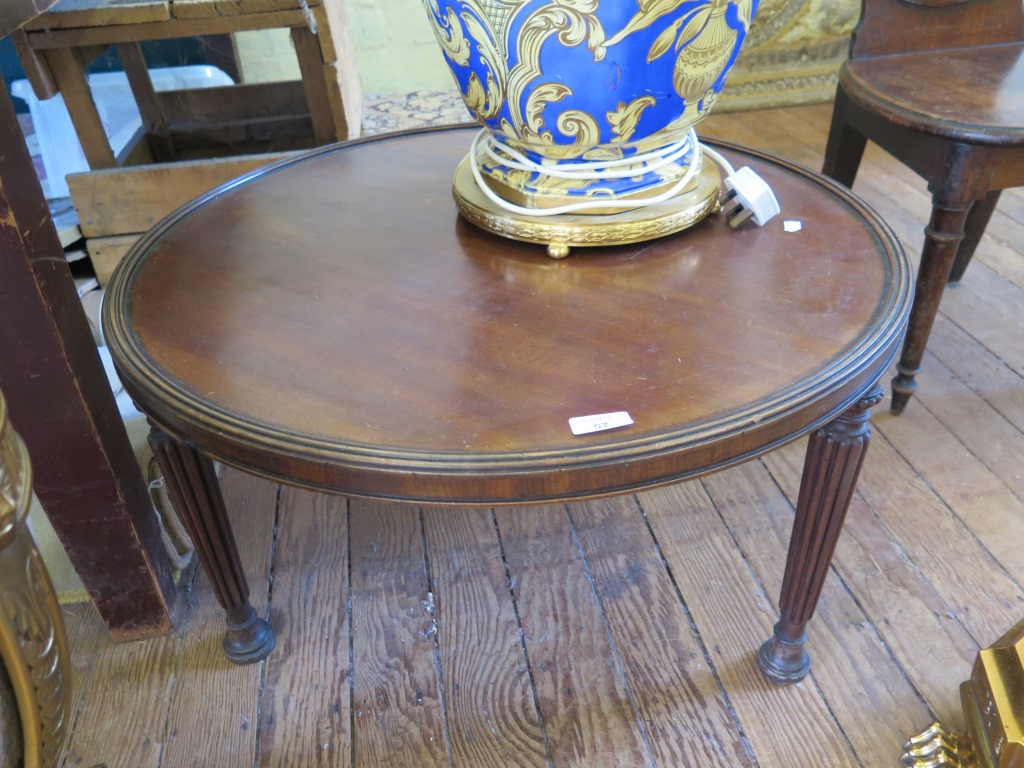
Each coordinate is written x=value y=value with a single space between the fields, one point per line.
x=588 y=108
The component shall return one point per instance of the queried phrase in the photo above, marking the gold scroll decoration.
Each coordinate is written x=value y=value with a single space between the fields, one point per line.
x=33 y=646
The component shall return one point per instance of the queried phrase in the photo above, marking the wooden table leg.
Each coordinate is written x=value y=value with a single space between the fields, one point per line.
x=974 y=228
x=845 y=146
x=942 y=240
x=193 y=487
x=835 y=454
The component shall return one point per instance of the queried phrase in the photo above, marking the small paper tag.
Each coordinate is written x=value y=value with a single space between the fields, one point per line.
x=584 y=425
x=792 y=225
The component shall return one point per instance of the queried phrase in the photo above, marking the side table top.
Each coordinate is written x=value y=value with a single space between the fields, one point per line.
x=332 y=322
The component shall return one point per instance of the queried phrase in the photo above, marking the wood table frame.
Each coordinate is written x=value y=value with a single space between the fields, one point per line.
x=87 y=477
x=205 y=401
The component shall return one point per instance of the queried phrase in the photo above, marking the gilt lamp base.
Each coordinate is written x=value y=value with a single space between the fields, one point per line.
x=564 y=231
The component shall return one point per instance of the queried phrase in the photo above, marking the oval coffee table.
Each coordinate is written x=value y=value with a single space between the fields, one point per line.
x=330 y=322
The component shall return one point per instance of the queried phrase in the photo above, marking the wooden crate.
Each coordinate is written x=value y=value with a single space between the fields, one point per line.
x=116 y=206
x=191 y=140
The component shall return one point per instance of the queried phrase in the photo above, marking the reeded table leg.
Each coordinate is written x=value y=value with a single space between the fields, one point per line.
x=194 y=489
x=835 y=454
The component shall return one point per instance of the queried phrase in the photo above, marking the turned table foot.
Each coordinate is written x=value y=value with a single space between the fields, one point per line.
x=835 y=454
x=193 y=487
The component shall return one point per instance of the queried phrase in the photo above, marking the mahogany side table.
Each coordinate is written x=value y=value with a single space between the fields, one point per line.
x=330 y=322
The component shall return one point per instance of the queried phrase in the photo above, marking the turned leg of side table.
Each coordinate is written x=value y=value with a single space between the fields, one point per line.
x=835 y=454
x=195 y=492
x=942 y=240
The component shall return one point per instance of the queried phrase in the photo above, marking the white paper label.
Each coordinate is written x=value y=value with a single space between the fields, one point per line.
x=792 y=225
x=584 y=425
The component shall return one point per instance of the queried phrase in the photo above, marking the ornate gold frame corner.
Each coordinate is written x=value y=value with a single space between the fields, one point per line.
x=33 y=644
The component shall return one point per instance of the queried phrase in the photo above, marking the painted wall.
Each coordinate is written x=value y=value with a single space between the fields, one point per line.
x=396 y=47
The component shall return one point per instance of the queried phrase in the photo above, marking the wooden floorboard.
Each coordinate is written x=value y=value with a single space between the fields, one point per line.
x=619 y=632
x=493 y=719
x=675 y=690
x=790 y=725
x=584 y=701
x=306 y=704
x=396 y=692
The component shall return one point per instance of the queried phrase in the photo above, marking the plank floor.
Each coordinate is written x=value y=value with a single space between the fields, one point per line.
x=619 y=632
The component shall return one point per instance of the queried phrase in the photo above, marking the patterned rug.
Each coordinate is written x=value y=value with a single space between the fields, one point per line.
x=384 y=113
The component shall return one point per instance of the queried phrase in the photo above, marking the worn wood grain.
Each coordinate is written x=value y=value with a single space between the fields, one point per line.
x=87 y=637
x=995 y=442
x=338 y=53
x=245 y=137
x=307 y=49
x=734 y=616
x=205 y=681
x=135 y=680
x=36 y=68
x=161 y=30
x=994 y=324
x=306 y=711
x=15 y=13
x=675 y=690
x=344 y=98
x=585 y=703
x=69 y=73
x=997 y=247
x=61 y=404
x=491 y=712
x=154 y=123
x=101 y=13
x=983 y=372
x=398 y=709
x=978 y=569
x=130 y=200
x=199 y=106
x=106 y=252
x=204 y=9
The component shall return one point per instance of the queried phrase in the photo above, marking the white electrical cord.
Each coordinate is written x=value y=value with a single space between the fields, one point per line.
x=594 y=170
x=588 y=172
x=719 y=158
x=749 y=195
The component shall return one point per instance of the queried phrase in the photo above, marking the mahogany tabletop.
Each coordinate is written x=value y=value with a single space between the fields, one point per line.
x=331 y=322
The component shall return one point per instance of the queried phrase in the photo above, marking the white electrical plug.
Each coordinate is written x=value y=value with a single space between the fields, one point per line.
x=749 y=196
